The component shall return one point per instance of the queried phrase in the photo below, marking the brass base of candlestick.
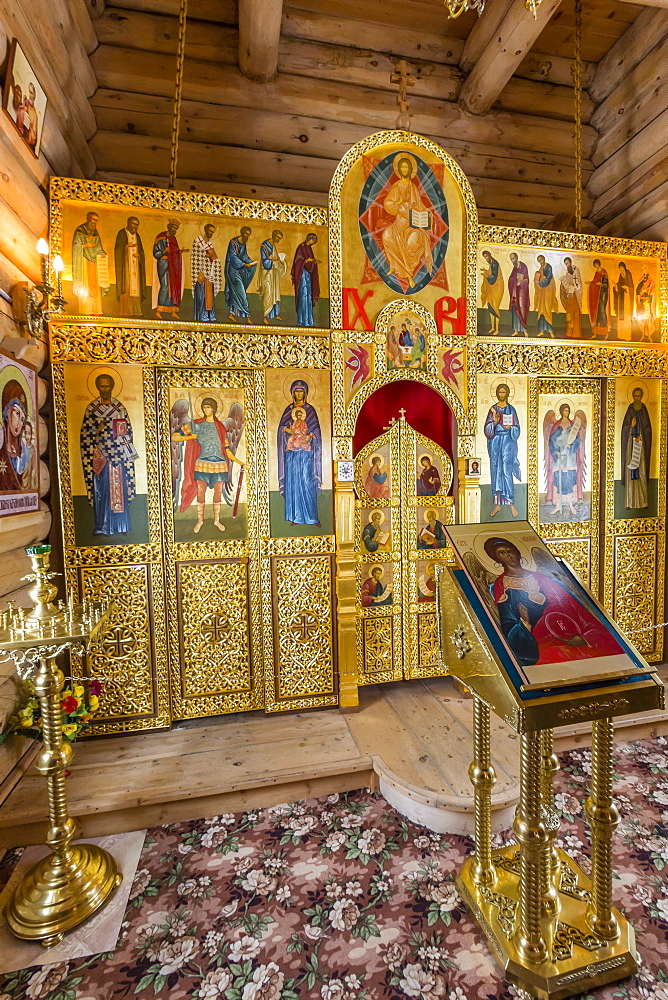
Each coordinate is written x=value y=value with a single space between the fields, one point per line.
x=58 y=893
x=577 y=961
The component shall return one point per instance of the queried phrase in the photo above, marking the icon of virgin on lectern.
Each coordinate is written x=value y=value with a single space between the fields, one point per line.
x=403 y=219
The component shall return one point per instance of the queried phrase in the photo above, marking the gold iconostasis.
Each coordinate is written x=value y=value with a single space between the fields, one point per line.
x=267 y=413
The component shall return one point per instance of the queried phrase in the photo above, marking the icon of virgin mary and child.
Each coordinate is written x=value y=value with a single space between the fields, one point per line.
x=541 y=619
x=299 y=448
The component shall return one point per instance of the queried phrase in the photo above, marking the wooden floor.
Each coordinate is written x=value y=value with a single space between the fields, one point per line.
x=411 y=739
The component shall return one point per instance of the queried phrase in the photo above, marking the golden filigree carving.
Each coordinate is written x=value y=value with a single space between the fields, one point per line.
x=634 y=589
x=213 y=624
x=576 y=553
x=298 y=546
x=154 y=343
x=378 y=647
x=528 y=357
x=304 y=633
x=130 y=658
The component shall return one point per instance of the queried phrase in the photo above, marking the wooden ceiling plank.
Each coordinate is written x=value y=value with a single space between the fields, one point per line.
x=633 y=120
x=219 y=11
x=630 y=155
x=516 y=34
x=648 y=30
x=137 y=114
x=259 y=36
x=259 y=167
x=531 y=98
x=641 y=214
x=409 y=43
x=552 y=69
x=119 y=69
x=633 y=186
x=232 y=189
x=219 y=44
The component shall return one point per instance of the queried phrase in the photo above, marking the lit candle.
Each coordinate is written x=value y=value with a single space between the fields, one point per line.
x=42 y=247
x=57 y=263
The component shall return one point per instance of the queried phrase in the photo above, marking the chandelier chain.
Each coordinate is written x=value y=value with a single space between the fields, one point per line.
x=178 y=89
x=577 y=83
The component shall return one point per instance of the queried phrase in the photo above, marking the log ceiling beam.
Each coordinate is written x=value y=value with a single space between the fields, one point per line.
x=232 y=164
x=649 y=3
x=647 y=32
x=120 y=69
x=506 y=48
x=259 y=36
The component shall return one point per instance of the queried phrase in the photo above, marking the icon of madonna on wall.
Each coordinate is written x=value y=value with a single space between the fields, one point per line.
x=403 y=218
x=299 y=448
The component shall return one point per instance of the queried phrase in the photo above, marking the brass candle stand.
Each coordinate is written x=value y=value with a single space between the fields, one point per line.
x=71 y=883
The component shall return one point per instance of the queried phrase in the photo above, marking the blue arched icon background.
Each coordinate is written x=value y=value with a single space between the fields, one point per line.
x=374 y=219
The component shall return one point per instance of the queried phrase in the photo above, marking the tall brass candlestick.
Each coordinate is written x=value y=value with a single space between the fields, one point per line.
x=71 y=883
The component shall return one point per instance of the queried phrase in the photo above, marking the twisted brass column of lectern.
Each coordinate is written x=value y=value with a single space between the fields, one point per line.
x=549 y=767
x=483 y=778
x=533 y=839
x=603 y=817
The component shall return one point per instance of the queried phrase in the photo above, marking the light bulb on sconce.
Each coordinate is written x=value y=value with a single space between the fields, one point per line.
x=59 y=302
x=37 y=309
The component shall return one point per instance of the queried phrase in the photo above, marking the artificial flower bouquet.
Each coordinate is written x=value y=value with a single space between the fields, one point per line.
x=77 y=709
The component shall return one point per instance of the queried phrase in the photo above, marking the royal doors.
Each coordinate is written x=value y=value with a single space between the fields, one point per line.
x=402 y=481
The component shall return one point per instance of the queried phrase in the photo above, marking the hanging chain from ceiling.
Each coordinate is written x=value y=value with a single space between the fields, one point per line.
x=178 y=89
x=577 y=84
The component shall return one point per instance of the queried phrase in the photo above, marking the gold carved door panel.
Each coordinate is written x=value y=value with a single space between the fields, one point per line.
x=208 y=426
x=402 y=481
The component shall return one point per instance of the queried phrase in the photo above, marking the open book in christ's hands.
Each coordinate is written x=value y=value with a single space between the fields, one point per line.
x=419 y=220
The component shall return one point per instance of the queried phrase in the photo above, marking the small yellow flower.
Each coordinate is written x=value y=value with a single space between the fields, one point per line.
x=69 y=730
x=78 y=691
x=94 y=703
x=26 y=720
x=65 y=693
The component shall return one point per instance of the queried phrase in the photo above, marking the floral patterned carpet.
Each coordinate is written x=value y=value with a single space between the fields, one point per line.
x=340 y=898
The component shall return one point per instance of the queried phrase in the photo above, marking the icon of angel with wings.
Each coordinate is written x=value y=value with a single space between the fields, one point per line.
x=538 y=610
x=565 y=458
x=210 y=451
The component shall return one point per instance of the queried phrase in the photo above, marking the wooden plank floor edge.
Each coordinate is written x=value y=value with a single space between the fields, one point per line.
x=203 y=807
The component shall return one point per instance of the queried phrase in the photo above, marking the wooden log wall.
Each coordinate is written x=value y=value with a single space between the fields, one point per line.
x=628 y=189
x=56 y=36
x=283 y=138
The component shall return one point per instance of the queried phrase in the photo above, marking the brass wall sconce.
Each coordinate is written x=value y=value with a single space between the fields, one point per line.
x=39 y=304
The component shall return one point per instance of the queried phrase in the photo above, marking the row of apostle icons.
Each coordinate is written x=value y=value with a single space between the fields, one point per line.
x=377 y=479
x=633 y=296
x=566 y=444
x=377 y=589
x=207 y=461
x=376 y=535
x=233 y=273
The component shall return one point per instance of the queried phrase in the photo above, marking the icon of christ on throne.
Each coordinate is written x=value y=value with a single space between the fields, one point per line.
x=403 y=223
